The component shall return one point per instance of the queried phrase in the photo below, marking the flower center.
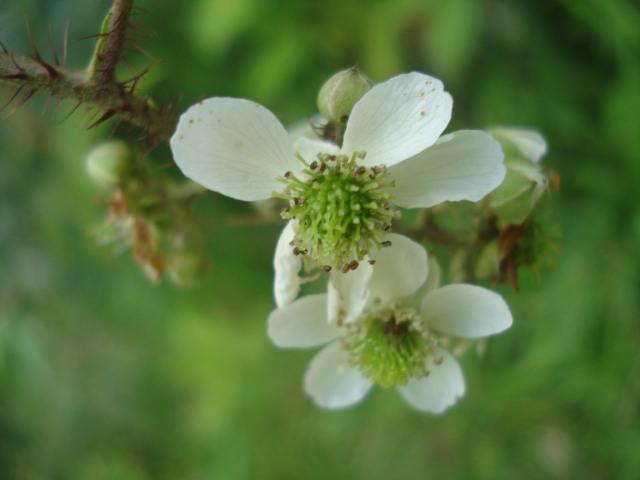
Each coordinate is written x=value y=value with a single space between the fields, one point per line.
x=342 y=209
x=389 y=347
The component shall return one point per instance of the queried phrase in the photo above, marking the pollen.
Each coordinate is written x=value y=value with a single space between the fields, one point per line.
x=342 y=209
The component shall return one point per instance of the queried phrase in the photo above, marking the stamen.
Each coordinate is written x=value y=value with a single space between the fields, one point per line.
x=389 y=346
x=342 y=208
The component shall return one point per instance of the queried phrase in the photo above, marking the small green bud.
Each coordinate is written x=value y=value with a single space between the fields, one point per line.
x=341 y=92
x=109 y=163
x=524 y=186
x=520 y=143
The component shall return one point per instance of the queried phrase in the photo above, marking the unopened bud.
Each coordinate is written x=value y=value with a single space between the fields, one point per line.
x=520 y=142
x=109 y=163
x=526 y=185
x=340 y=93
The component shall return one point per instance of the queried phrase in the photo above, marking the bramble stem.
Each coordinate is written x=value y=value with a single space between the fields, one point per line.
x=96 y=86
x=33 y=74
x=115 y=36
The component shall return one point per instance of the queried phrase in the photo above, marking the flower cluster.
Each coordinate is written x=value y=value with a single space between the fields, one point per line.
x=384 y=319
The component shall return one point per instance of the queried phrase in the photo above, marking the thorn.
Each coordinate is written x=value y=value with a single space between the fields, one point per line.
x=22 y=101
x=64 y=44
x=20 y=69
x=53 y=47
x=97 y=35
x=46 y=105
x=105 y=116
x=115 y=128
x=141 y=50
x=70 y=113
x=57 y=107
x=50 y=71
x=141 y=10
x=136 y=79
x=16 y=76
x=31 y=41
x=145 y=29
x=12 y=95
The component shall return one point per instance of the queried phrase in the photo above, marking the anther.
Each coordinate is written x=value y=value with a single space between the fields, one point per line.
x=386 y=243
x=361 y=155
x=323 y=167
x=371 y=262
x=327 y=268
x=346 y=267
x=287 y=175
x=386 y=227
x=313 y=165
x=353 y=264
x=360 y=171
x=296 y=251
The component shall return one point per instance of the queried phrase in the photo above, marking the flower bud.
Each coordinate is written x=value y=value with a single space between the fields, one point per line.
x=341 y=92
x=109 y=163
x=526 y=185
x=520 y=142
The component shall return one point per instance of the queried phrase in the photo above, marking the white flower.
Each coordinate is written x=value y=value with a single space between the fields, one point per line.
x=381 y=328
x=340 y=196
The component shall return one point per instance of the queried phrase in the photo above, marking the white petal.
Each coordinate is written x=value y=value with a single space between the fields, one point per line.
x=287 y=266
x=233 y=146
x=309 y=148
x=440 y=389
x=348 y=293
x=466 y=311
x=464 y=165
x=397 y=119
x=399 y=269
x=529 y=143
x=302 y=324
x=332 y=382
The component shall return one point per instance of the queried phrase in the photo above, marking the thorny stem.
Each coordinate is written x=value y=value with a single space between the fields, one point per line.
x=114 y=44
x=97 y=87
x=32 y=75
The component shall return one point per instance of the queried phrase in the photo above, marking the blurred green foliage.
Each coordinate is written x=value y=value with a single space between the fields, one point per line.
x=104 y=375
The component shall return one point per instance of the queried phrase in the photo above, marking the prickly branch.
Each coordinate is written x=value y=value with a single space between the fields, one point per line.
x=34 y=75
x=97 y=86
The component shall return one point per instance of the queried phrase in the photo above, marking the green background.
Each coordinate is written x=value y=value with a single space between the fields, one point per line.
x=104 y=375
